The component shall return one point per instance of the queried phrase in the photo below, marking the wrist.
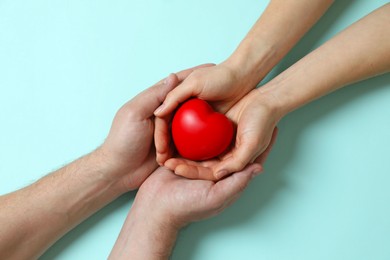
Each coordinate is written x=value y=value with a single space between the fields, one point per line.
x=283 y=94
x=273 y=100
x=108 y=171
x=154 y=217
x=83 y=187
x=252 y=60
x=145 y=235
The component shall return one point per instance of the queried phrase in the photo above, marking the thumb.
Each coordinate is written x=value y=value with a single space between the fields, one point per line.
x=144 y=104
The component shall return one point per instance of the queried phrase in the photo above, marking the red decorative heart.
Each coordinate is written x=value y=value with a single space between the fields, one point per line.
x=199 y=133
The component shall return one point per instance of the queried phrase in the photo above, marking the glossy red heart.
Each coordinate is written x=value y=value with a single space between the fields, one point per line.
x=199 y=133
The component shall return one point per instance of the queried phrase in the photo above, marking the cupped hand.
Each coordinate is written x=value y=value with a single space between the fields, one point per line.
x=128 y=151
x=178 y=201
x=221 y=85
x=256 y=132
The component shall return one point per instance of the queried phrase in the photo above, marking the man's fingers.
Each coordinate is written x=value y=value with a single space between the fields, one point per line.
x=162 y=139
x=144 y=104
x=263 y=157
x=162 y=135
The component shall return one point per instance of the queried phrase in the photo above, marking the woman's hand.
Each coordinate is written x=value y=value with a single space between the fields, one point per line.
x=256 y=117
x=222 y=85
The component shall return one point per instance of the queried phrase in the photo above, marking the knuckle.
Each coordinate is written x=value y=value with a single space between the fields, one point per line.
x=131 y=113
x=127 y=112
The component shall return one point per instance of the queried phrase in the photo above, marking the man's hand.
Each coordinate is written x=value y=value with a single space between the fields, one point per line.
x=166 y=202
x=129 y=149
x=35 y=217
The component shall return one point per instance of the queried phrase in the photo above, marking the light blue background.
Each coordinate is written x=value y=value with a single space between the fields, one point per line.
x=67 y=66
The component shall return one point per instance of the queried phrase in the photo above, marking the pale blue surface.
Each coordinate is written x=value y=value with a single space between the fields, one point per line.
x=67 y=66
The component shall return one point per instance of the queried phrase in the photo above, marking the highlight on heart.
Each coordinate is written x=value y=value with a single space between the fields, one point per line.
x=199 y=133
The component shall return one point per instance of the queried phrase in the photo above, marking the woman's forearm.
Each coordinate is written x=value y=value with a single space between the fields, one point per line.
x=277 y=30
x=359 y=52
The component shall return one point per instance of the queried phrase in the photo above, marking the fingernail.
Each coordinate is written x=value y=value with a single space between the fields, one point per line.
x=159 y=109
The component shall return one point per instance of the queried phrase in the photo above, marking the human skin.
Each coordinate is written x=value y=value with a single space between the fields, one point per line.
x=34 y=217
x=277 y=30
x=166 y=202
x=359 y=52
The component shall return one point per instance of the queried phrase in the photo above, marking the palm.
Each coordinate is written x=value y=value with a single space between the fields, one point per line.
x=176 y=193
x=189 y=200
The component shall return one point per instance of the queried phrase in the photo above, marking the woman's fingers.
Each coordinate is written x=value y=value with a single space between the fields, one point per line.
x=187 y=89
x=210 y=170
x=236 y=161
x=227 y=190
x=191 y=169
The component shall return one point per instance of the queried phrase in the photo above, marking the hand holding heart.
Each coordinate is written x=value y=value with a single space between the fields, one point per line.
x=128 y=149
x=256 y=132
x=221 y=85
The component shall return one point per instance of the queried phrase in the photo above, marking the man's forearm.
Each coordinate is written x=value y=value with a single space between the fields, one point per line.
x=33 y=218
x=145 y=236
x=359 y=52
x=277 y=30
